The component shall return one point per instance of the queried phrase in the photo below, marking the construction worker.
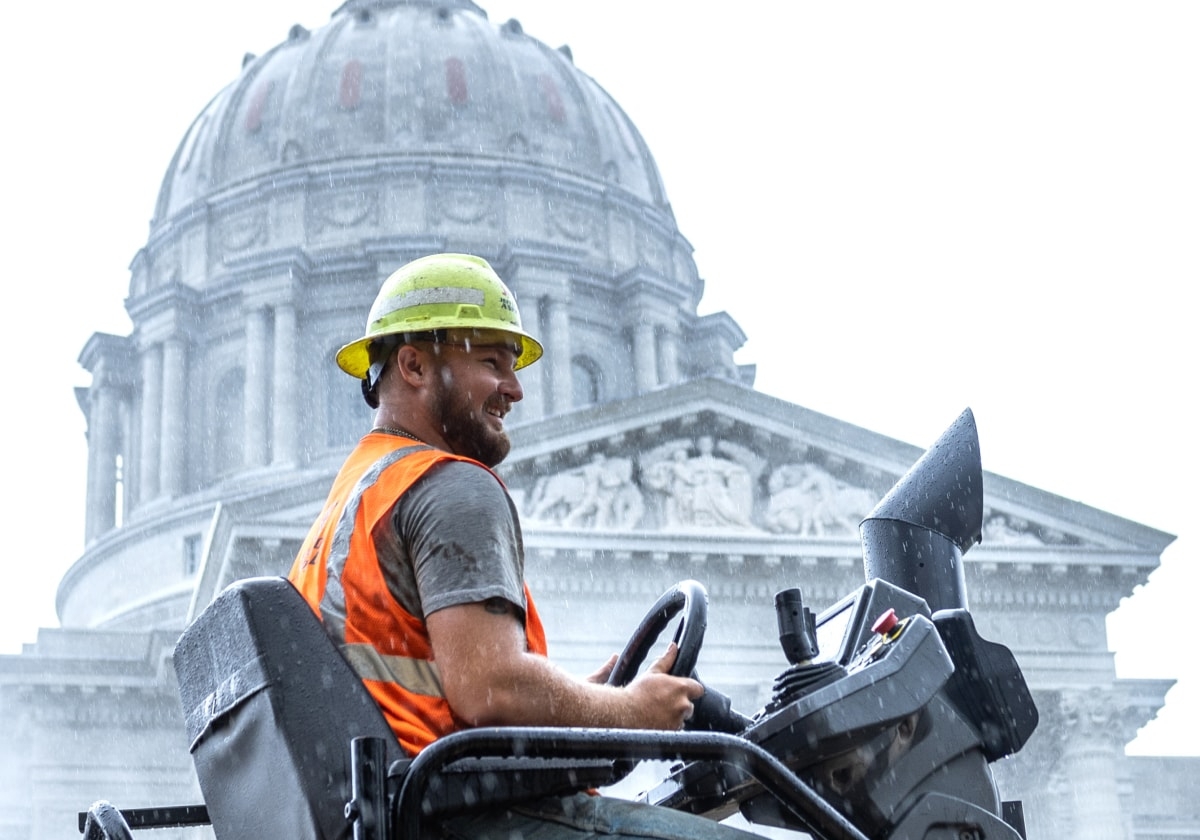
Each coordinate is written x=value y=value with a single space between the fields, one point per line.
x=415 y=563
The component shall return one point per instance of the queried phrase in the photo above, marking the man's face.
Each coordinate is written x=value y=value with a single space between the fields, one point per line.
x=474 y=391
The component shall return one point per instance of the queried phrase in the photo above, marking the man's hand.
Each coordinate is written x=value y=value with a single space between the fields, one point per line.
x=663 y=701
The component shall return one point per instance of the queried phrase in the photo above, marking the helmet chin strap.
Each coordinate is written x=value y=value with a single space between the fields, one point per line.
x=380 y=351
x=370 y=393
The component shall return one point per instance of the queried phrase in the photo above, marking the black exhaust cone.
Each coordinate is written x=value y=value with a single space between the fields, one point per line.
x=916 y=536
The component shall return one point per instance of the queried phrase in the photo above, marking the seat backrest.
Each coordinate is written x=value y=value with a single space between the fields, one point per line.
x=271 y=707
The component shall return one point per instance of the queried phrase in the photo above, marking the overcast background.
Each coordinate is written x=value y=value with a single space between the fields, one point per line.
x=910 y=208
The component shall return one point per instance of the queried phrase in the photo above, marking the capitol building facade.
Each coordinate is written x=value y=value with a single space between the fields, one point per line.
x=642 y=453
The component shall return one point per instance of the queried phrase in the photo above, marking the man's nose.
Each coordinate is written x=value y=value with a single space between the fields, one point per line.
x=511 y=388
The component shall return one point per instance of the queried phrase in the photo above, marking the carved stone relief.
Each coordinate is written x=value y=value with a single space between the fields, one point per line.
x=244 y=230
x=807 y=500
x=1002 y=529
x=1092 y=714
x=1009 y=529
x=683 y=484
x=571 y=221
x=1087 y=632
x=344 y=209
x=701 y=490
x=467 y=206
x=653 y=253
x=599 y=494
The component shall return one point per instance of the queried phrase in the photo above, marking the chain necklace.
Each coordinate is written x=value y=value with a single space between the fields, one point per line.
x=398 y=432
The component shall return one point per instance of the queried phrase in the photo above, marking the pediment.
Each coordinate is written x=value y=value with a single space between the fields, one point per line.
x=712 y=457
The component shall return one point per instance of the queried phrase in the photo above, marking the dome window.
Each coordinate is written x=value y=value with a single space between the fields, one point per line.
x=456 y=81
x=552 y=98
x=258 y=104
x=350 y=90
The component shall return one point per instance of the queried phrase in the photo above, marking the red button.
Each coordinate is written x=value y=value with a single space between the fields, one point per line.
x=885 y=623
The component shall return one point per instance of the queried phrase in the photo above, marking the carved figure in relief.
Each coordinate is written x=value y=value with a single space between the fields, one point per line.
x=809 y=501
x=598 y=494
x=1000 y=530
x=702 y=491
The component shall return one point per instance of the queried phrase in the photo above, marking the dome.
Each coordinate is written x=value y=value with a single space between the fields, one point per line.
x=400 y=82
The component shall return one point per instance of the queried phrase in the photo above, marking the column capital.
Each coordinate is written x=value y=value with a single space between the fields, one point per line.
x=270 y=292
x=532 y=280
x=1092 y=715
x=650 y=288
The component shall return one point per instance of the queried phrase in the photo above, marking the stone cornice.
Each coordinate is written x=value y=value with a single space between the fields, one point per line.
x=269 y=274
x=538 y=265
x=165 y=312
x=1140 y=701
x=106 y=349
x=87 y=659
x=390 y=252
x=642 y=288
x=719 y=324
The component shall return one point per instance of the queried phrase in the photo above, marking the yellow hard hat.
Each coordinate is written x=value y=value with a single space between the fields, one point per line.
x=441 y=292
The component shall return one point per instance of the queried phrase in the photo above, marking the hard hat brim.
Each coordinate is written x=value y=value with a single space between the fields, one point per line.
x=355 y=357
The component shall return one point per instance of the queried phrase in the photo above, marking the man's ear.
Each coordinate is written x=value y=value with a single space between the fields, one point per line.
x=412 y=364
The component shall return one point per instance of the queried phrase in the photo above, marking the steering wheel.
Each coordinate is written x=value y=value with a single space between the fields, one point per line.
x=688 y=597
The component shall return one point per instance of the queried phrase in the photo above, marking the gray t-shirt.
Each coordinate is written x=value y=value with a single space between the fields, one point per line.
x=453 y=538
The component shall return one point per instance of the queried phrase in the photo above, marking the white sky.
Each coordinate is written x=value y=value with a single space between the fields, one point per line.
x=910 y=208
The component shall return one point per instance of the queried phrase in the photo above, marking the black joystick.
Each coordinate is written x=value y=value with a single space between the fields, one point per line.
x=798 y=638
x=797 y=627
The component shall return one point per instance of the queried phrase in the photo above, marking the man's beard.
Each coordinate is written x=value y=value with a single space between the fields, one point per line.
x=464 y=430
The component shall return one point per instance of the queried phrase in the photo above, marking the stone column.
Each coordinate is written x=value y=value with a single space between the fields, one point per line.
x=558 y=352
x=257 y=407
x=1090 y=753
x=668 y=356
x=103 y=447
x=533 y=379
x=285 y=448
x=645 y=366
x=174 y=418
x=149 y=463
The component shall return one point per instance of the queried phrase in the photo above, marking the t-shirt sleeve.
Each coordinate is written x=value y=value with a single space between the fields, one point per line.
x=461 y=532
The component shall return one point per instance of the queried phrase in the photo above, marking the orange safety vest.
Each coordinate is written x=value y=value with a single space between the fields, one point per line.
x=338 y=573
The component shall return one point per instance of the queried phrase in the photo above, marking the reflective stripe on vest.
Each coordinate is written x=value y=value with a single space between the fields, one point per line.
x=420 y=676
